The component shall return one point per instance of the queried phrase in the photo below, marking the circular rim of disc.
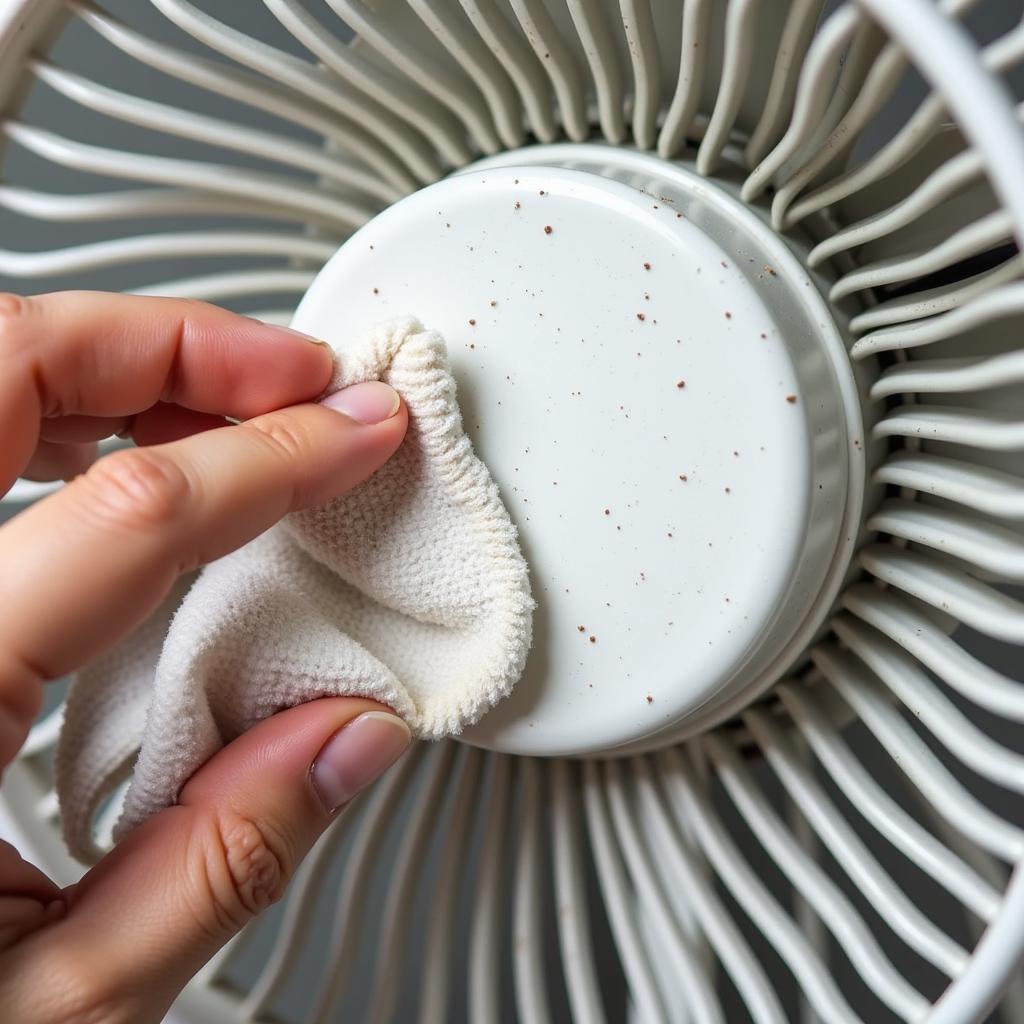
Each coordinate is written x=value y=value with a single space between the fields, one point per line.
x=513 y=727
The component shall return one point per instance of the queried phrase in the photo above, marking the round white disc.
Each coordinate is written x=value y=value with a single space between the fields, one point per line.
x=644 y=412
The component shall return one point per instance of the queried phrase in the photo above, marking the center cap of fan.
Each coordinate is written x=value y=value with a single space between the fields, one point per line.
x=663 y=398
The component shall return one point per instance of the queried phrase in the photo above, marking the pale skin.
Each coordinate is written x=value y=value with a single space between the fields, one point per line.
x=86 y=565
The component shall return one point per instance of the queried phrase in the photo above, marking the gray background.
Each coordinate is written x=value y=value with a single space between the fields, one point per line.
x=81 y=49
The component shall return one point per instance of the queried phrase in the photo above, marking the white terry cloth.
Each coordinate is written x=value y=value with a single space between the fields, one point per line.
x=411 y=589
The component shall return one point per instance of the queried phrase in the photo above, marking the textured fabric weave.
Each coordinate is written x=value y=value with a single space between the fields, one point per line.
x=410 y=590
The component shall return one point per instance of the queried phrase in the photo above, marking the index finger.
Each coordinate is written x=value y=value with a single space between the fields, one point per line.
x=107 y=355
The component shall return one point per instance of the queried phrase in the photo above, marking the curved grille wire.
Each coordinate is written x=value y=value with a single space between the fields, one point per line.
x=801 y=857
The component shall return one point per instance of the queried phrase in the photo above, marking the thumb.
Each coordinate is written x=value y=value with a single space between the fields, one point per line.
x=147 y=917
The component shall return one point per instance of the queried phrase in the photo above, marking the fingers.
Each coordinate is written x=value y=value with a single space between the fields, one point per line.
x=87 y=564
x=52 y=461
x=77 y=429
x=158 y=424
x=164 y=422
x=145 y=919
x=103 y=355
x=68 y=446
x=27 y=897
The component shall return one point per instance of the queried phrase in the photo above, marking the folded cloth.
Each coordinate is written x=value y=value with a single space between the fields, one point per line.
x=411 y=590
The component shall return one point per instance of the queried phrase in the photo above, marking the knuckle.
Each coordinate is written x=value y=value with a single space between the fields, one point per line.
x=284 y=433
x=137 y=487
x=198 y=307
x=84 y=995
x=247 y=869
x=13 y=314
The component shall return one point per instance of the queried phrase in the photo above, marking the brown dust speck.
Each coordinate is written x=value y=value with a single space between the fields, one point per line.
x=518 y=205
x=472 y=323
x=607 y=511
x=683 y=477
x=728 y=315
x=649 y=699
x=641 y=316
x=592 y=638
x=680 y=384
x=548 y=229
x=493 y=303
x=582 y=629
x=791 y=399
x=647 y=266
x=376 y=291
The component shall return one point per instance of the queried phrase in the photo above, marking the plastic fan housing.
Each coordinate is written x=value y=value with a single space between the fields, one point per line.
x=734 y=295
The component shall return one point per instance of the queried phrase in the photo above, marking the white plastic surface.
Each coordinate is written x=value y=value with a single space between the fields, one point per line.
x=569 y=60
x=647 y=412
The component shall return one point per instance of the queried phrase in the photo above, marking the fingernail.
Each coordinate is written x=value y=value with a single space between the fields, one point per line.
x=304 y=337
x=370 y=402
x=294 y=333
x=356 y=755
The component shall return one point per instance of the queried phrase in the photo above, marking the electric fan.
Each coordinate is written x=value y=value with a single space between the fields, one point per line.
x=733 y=295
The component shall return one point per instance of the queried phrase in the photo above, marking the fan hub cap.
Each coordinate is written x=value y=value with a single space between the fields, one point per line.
x=664 y=399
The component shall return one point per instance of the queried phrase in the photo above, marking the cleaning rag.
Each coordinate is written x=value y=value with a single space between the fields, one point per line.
x=410 y=590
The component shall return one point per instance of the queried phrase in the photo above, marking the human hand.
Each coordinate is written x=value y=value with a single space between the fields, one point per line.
x=87 y=564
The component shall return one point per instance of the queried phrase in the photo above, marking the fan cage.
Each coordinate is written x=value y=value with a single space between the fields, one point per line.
x=796 y=855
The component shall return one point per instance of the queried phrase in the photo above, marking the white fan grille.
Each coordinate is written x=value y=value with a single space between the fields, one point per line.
x=841 y=847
